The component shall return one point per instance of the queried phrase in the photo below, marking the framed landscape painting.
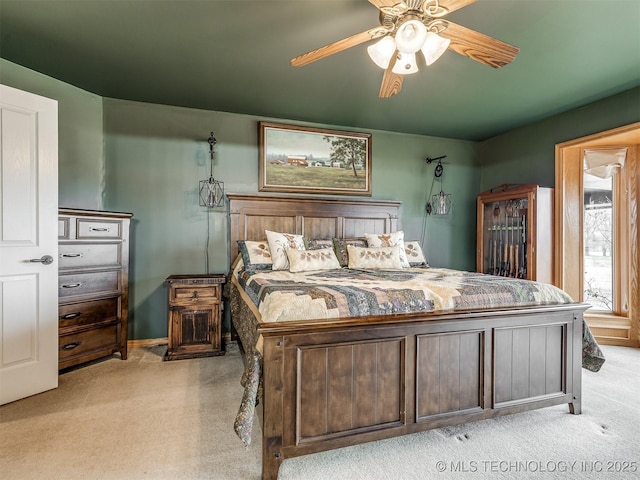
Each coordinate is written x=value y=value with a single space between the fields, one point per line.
x=313 y=160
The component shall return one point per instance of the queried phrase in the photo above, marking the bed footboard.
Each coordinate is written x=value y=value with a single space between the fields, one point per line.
x=333 y=385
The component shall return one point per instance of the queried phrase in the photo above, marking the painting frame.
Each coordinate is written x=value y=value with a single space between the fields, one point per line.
x=301 y=159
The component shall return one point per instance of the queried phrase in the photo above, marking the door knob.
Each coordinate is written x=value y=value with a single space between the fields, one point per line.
x=45 y=259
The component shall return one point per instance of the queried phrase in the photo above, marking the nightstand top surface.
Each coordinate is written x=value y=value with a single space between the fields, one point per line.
x=197 y=278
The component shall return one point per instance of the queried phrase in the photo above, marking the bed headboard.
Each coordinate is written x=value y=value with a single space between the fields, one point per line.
x=313 y=217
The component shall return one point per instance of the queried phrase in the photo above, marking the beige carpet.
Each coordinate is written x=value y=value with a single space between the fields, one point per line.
x=133 y=419
x=149 y=419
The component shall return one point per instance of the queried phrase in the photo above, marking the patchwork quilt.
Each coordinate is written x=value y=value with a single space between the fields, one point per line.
x=283 y=296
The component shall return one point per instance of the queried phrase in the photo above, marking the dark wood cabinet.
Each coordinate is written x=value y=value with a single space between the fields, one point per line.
x=195 y=321
x=515 y=232
x=93 y=284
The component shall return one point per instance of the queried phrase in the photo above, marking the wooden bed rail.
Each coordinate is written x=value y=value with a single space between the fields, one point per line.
x=338 y=385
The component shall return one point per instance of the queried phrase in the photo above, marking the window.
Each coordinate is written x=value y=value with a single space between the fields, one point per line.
x=598 y=232
x=597 y=236
x=605 y=226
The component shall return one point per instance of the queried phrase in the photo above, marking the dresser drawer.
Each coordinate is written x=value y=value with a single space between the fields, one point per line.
x=196 y=293
x=85 y=313
x=63 y=228
x=85 y=343
x=87 y=283
x=98 y=228
x=78 y=255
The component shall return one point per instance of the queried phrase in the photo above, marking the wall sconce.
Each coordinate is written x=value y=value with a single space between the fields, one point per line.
x=211 y=190
x=440 y=203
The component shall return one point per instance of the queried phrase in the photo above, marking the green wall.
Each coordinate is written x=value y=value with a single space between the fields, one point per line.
x=80 y=139
x=156 y=155
x=527 y=154
x=147 y=159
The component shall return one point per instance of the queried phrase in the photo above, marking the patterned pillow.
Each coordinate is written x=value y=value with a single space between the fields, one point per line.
x=374 y=257
x=278 y=244
x=389 y=240
x=255 y=255
x=307 y=260
x=414 y=254
x=316 y=243
x=340 y=247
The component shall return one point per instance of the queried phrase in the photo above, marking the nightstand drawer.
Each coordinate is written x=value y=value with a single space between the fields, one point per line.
x=88 y=228
x=86 y=283
x=85 y=313
x=195 y=293
x=84 y=343
x=78 y=255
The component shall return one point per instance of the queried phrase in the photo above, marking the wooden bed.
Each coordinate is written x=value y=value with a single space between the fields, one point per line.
x=331 y=384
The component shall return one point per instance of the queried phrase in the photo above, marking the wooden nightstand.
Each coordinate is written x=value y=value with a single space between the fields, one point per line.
x=195 y=321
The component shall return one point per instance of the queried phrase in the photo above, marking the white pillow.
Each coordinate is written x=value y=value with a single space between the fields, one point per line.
x=374 y=257
x=308 y=260
x=255 y=255
x=414 y=254
x=278 y=244
x=395 y=239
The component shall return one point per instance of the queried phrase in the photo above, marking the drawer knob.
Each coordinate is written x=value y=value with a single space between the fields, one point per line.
x=194 y=295
x=69 y=316
x=70 y=346
x=70 y=255
x=96 y=229
x=71 y=285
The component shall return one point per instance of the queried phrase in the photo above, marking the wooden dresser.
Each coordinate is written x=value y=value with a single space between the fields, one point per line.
x=93 y=285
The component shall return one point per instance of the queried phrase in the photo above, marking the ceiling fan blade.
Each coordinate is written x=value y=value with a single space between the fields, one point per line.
x=453 y=5
x=384 y=3
x=334 y=47
x=391 y=83
x=478 y=46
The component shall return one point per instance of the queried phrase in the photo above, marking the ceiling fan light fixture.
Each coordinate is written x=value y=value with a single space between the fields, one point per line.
x=382 y=51
x=434 y=46
x=405 y=25
x=405 y=64
x=410 y=36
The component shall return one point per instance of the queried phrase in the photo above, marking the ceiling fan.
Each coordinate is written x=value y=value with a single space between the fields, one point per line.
x=413 y=27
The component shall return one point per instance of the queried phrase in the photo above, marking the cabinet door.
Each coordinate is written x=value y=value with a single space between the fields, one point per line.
x=504 y=246
x=195 y=329
x=515 y=232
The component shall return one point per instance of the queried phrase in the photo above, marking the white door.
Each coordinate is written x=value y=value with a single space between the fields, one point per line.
x=28 y=230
